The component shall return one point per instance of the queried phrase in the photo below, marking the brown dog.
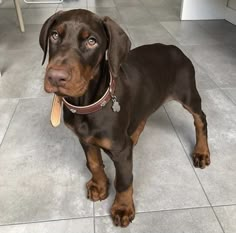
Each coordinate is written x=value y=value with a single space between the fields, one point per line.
x=108 y=97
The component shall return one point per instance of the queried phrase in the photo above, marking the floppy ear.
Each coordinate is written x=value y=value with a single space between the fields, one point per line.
x=43 y=37
x=118 y=45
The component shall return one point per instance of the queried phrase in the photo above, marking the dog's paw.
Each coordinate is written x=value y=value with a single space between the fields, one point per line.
x=97 y=191
x=122 y=215
x=201 y=160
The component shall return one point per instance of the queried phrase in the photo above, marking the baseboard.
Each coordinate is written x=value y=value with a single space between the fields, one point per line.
x=230 y=15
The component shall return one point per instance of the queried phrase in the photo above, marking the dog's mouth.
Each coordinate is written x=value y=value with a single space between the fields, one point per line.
x=68 y=90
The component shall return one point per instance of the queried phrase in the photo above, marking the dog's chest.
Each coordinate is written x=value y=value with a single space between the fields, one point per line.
x=89 y=132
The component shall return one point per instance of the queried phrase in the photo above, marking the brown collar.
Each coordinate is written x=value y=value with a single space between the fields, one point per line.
x=98 y=105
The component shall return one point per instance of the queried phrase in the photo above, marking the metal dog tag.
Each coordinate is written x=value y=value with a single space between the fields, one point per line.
x=115 y=105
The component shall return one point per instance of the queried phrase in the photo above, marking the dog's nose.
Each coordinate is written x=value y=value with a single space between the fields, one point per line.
x=57 y=77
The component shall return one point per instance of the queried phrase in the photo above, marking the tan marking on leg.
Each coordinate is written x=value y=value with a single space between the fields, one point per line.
x=98 y=186
x=201 y=137
x=123 y=211
x=100 y=142
x=201 y=153
x=137 y=132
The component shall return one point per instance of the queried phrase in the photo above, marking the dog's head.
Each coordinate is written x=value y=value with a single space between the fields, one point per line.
x=77 y=41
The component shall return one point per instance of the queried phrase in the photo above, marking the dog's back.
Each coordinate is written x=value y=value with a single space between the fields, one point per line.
x=155 y=73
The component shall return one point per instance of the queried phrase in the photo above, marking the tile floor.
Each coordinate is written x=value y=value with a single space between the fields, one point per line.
x=42 y=169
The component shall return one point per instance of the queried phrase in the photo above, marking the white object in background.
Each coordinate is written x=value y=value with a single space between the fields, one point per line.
x=203 y=9
x=230 y=12
x=46 y=2
x=19 y=15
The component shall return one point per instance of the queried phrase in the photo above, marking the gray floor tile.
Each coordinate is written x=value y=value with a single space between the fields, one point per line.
x=37 y=15
x=152 y=33
x=8 y=16
x=189 y=33
x=23 y=76
x=14 y=39
x=42 y=169
x=7 y=107
x=219 y=61
x=68 y=226
x=222 y=30
x=166 y=14
x=217 y=27
x=3 y=44
x=73 y=4
x=101 y=3
x=112 y=12
x=232 y=45
x=168 y=10
x=160 y=3
x=163 y=176
x=227 y=217
x=135 y=15
x=191 y=221
x=231 y=93
x=128 y=3
x=219 y=178
x=2 y=59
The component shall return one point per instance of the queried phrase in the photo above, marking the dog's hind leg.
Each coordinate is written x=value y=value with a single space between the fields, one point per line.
x=192 y=102
x=186 y=93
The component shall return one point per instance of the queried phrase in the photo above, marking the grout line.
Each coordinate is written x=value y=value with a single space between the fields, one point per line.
x=165 y=210
x=94 y=227
x=190 y=161
x=107 y=215
x=218 y=220
x=46 y=221
x=160 y=211
x=226 y=205
x=4 y=136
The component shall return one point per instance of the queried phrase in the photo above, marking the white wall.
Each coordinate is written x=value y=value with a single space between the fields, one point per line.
x=203 y=9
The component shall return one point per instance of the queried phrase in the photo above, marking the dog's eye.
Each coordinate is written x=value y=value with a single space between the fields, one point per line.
x=55 y=35
x=91 y=41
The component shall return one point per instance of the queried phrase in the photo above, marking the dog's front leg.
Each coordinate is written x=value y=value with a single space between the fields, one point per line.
x=123 y=210
x=97 y=187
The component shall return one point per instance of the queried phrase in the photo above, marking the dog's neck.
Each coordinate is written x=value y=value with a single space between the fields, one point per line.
x=96 y=89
